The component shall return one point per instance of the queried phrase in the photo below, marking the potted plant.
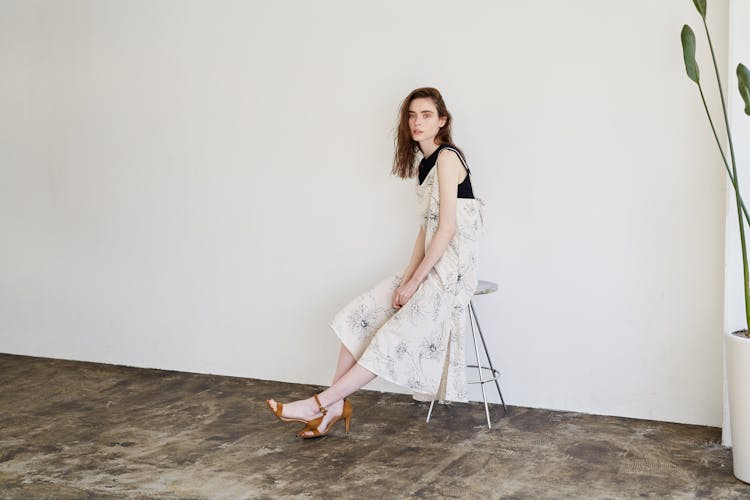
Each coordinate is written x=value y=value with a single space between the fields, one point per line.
x=737 y=343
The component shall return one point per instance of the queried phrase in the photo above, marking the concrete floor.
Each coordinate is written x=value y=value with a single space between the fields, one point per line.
x=86 y=430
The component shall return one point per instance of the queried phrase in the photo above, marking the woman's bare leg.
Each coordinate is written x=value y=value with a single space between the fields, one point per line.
x=333 y=397
x=346 y=361
x=308 y=408
x=352 y=380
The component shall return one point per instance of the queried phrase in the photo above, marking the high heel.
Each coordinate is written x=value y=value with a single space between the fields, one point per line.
x=278 y=410
x=312 y=426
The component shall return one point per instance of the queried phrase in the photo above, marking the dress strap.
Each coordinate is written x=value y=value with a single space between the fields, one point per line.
x=460 y=157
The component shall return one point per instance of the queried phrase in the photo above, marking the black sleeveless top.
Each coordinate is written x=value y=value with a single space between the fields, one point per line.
x=464 y=189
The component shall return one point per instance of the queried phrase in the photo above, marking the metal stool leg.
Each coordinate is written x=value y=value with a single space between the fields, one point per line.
x=489 y=360
x=479 y=369
x=495 y=374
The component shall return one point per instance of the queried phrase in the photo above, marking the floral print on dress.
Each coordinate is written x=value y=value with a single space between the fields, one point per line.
x=416 y=311
x=421 y=346
x=362 y=319
x=431 y=348
x=402 y=349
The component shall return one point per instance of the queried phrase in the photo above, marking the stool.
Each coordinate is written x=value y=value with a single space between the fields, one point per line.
x=483 y=287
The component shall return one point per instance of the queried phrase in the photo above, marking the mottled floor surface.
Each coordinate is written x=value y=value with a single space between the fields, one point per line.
x=86 y=430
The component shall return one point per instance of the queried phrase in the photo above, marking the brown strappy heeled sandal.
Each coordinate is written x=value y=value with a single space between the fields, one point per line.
x=277 y=412
x=312 y=426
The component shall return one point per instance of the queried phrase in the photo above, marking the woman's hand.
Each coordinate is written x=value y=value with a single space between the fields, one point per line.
x=403 y=293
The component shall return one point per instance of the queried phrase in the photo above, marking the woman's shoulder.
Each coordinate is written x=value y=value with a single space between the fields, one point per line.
x=449 y=154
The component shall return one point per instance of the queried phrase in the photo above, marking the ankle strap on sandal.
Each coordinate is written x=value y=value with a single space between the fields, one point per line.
x=322 y=409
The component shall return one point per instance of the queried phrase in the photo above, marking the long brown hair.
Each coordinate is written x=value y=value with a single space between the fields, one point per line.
x=406 y=148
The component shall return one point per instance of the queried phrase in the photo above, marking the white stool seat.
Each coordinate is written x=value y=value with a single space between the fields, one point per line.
x=484 y=287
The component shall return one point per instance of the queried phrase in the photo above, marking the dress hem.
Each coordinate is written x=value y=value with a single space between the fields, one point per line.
x=389 y=379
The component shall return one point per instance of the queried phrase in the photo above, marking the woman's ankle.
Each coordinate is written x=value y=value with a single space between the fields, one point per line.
x=328 y=401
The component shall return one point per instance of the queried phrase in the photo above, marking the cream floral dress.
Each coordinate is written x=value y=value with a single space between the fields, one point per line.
x=421 y=345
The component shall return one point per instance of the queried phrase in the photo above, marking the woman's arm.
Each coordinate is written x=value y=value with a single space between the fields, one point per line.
x=449 y=169
x=416 y=255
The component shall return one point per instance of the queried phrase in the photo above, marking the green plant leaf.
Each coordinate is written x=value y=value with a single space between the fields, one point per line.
x=743 y=80
x=701 y=6
x=688 y=53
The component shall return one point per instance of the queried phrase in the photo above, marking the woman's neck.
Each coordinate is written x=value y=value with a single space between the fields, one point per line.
x=432 y=148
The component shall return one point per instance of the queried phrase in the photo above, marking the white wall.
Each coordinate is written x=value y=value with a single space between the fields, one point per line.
x=200 y=186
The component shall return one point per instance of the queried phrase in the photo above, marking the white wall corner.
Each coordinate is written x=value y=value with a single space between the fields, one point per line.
x=738 y=51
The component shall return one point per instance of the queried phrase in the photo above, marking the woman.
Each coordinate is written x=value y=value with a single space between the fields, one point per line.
x=409 y=327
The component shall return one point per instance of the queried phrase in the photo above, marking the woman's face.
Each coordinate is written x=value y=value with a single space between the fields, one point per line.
x=424 y=122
